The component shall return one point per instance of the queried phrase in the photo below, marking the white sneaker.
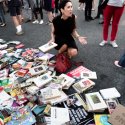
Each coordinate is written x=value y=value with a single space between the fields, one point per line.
x=41 y=22
x=35 y=22
x=114 y=44
x=116 y=63
x=103 y=43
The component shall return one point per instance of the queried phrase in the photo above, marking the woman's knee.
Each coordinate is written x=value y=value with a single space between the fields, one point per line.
x=72 y=52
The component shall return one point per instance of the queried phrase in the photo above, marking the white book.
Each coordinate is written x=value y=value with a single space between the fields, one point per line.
x=48 y=46
x=67 y=81
x=89 y=75
x=96 y=101
x=37 y=70
x=110 y=93
x=59 y=116
x=32 y=89
x=42 y=80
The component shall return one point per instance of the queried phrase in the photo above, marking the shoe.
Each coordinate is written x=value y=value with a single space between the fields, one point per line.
x=114 y=44
x=41 y=22
x=35 y=22
x=20 y=33
x=26 y=21
x=91 y=18
x=79 y=8
x=116 y=63
x=103 y=43
x=3 y=24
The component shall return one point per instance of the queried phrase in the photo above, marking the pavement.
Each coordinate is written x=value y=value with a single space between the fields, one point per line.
x=95 y=58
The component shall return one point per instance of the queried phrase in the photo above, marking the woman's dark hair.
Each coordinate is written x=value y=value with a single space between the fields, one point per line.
x=63 y=4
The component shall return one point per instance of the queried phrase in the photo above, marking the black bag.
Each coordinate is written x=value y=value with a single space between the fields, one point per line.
x=103 y=4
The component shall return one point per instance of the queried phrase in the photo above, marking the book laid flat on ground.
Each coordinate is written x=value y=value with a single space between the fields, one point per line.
x=110 y=93
x=118 y=116
x=83 y=85
x=40 y=81
x=46 y=56
x=48 y=46
x=89 y=75
x=76 y=73
x=95 y=101
x=59 y=116
x=78 y=115
x=101 y=119
x=67 y=81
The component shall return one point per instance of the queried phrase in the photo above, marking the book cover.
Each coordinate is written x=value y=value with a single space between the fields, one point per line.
x=46 y=47
x=96 y=101
x=83 y=85
x=118 y=116
x=89 y=75
x=110 y=93
x=76 y=73
x=77 y=110
x=101 y=119
x=67 y=81
x=46 y=56
x=42 y=80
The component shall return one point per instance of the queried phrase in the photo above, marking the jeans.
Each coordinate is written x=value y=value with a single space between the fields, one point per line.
x=2 y=19
x=122 y=60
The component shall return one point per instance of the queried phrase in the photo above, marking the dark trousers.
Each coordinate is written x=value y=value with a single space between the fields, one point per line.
x=122 y=60
x=88 y=9
x=100 y=9
x=2 y=19
x=36 y=11
x=56 y=6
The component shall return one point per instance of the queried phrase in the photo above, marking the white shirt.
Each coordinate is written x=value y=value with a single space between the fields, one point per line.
x=117 y=3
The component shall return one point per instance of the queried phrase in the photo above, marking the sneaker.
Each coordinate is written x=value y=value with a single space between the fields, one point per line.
x=20 y=33
x=116 y=64
x=41 y=22
x=3 y=24
x=103 y=43
x=35 y=22
x=114 y=44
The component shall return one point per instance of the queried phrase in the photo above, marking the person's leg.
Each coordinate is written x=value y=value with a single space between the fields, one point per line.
x=3 y=23
x=72 y=52
x=86 y=10
x=63 y=48
x=90 y=9
x=41 y=14
x=116 y=18
x=36 y=16
x=108 y=12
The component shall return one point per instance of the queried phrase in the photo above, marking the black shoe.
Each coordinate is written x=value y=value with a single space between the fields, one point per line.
x=91 y=18
x=26 y=21
x=87 y=20
x=97 y=17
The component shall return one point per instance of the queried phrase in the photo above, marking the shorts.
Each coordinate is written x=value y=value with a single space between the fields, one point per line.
x=69 y=41
x=15 y=10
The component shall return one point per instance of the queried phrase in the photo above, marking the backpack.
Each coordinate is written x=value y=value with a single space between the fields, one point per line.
x=63 y=63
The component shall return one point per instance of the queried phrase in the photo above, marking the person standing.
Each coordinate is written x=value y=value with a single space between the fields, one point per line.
x=65 y=37
x=15 y=12
x=2 y=19
x=114 y=10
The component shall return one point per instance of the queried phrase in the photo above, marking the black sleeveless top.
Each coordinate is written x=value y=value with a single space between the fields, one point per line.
x=64 y=28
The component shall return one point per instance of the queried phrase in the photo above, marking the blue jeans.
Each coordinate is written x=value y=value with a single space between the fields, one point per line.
x=2 y=19
x=122 y=60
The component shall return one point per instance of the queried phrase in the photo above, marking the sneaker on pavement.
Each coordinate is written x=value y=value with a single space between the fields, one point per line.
x=35 y=22
x=116 y=63
x=20 y=33
x=103 y=43
x=41 y=22
x=114 y=44
x=3 y=24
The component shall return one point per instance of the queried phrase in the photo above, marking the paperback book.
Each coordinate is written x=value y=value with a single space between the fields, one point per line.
x=95 y=102
x=48 y=46
x=89 y=75
x=83 y=85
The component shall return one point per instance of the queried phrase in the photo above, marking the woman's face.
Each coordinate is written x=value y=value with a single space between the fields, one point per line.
x=67 y=11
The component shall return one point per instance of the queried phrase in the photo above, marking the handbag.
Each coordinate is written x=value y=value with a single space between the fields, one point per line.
x=63 y=63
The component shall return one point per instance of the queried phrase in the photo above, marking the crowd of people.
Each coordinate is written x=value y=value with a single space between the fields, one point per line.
x=60 y=16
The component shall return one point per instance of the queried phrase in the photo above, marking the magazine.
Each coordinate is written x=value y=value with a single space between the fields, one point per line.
x=83 y=85
x=46 y=47
x=89 y=75
x=78 y=115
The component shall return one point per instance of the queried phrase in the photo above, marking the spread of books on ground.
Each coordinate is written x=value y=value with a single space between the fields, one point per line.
x=33 y=93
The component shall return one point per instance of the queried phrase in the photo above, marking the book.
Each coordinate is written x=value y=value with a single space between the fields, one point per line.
x=46 y=47
x=46 y=56
x=59 y=116
x=32 y=89
x=89 y=75
x=118 y=116
x=40 y=81
x=110 y=93
x=83 y=85
x=112 y=104
x=95 y=101
x=49 y=93
x=37 y=70
x=101 y=119
x=77 y=110
x=76 y=73
x=67 y=81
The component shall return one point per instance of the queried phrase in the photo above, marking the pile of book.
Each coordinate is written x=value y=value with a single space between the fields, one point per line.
x=31 y=92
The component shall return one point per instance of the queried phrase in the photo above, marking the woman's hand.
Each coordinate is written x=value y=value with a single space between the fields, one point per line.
x=52 y=40
x=82 y=40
